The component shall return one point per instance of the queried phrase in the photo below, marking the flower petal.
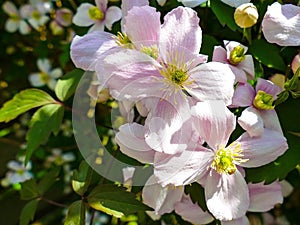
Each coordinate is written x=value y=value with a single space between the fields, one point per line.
x=268 y=86
x=11 y=25
x=191 y=212
x=86 y=50
x=44 y=65
x=211 y=81
x=192 y=3
x=251 y=121
x=161 y=199
x=281 y=24
x=182 y=168
x=143 y=25
x=243 y=95
x=188 y=33
x=262 y=150
x=35 y=80
x=219 y=54
x=82 y=18
x=264 y=197
x=113 y=14
x=131 y=140
x=214 y=122
x=240 y=221
x=101 y=4
x=10 y=8
x=227 y=196
x=271 y=120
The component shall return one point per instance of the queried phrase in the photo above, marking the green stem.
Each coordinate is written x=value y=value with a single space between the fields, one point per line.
x=247 y=35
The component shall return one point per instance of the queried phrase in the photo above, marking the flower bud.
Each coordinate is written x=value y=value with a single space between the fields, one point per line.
x=296 y=64
x=246 y=15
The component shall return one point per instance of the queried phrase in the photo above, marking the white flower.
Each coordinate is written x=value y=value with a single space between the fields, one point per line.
x=18 y=173
x=59 y=158
x=98 y=16
x=47 y=75
x=16 y=18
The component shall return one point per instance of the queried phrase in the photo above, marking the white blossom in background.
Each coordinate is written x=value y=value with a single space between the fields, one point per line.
x=46 y=76
x=98 y=16
x=16 y=20
x=59 y=158
x=17 y=173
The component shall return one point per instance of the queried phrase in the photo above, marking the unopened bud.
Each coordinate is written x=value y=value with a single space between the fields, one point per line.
x=246 y=15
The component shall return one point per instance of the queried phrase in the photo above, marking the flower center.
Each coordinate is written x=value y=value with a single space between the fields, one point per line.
x=44 y=77
x=123 y=40
x=263 y=100
x=225 y=159
x=174 y=74
x=95 y=13
x=36 y=15
x=237 y=55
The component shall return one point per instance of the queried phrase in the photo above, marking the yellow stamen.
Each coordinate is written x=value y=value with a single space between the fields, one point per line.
x=95 y=13
x=237 y=55
x=263 y=100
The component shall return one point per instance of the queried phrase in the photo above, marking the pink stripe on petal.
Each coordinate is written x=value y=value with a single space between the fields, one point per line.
x=268 y=86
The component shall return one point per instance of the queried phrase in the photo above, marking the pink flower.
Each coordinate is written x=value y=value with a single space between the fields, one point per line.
x=281 y=24
x=260 y=113
x=98 y=16
x=241 y=65
x=218 y=167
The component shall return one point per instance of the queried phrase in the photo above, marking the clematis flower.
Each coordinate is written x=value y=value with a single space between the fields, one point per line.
x=235 y=55
x=46 y=76
x=218 y=167
x=18 y=172
x=63 y=18
x=260 y=113
x=98 y=16
x=281 y=24
x=16 y=20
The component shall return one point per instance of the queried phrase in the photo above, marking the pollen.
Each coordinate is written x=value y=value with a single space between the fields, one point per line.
x=123 y=40
x=95 y=13
x=225 y=159
x=263 y=100
x=175 y=75
x=237 y=55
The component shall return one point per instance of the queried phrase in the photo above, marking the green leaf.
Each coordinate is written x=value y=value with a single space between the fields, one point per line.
x=76 y=214
x=22 y=102
x=207 y=47
x=282 y=97
x=196 y=192
x=292 y=84
x=44 y=121
x=48 y=180
x=29 y=190
x=28 y=212
x=224 y=13
x=66 y=86
x=115 y=201
x=81 y=179
x=267 y=54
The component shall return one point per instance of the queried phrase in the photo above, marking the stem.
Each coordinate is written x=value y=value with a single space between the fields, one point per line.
x=73 y=4
x=247 y=35
x=53 y=202
x=10 y=141
x=92 y=217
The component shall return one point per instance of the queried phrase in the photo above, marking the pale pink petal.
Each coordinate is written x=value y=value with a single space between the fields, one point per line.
x=262 y=150
x=296 y=63
x=243 y=95
x=161 y=199
x=56 y=73
x=143 y=25
x=230 y=45
x=10 y=8
x=126 y=5
x=219 y=54
x=113 y=14
x=264 y=197
x=86 y=50
x=24 y=27
x=214 y=122
x=227 y=196
x=131 y=75
x=35 y=80
x=182 y=168
x=131 y=140
x=188 y=33
x=191 y=212
x=247 y=65
x=281 y=24
x=271 y=120
x=98 y=26
x=211 y=81
x=101 y=4
x=286 y=188
x=268 y=86
x=26 y=11
x=240 y=221
x=82 y=18
x=252 y=122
